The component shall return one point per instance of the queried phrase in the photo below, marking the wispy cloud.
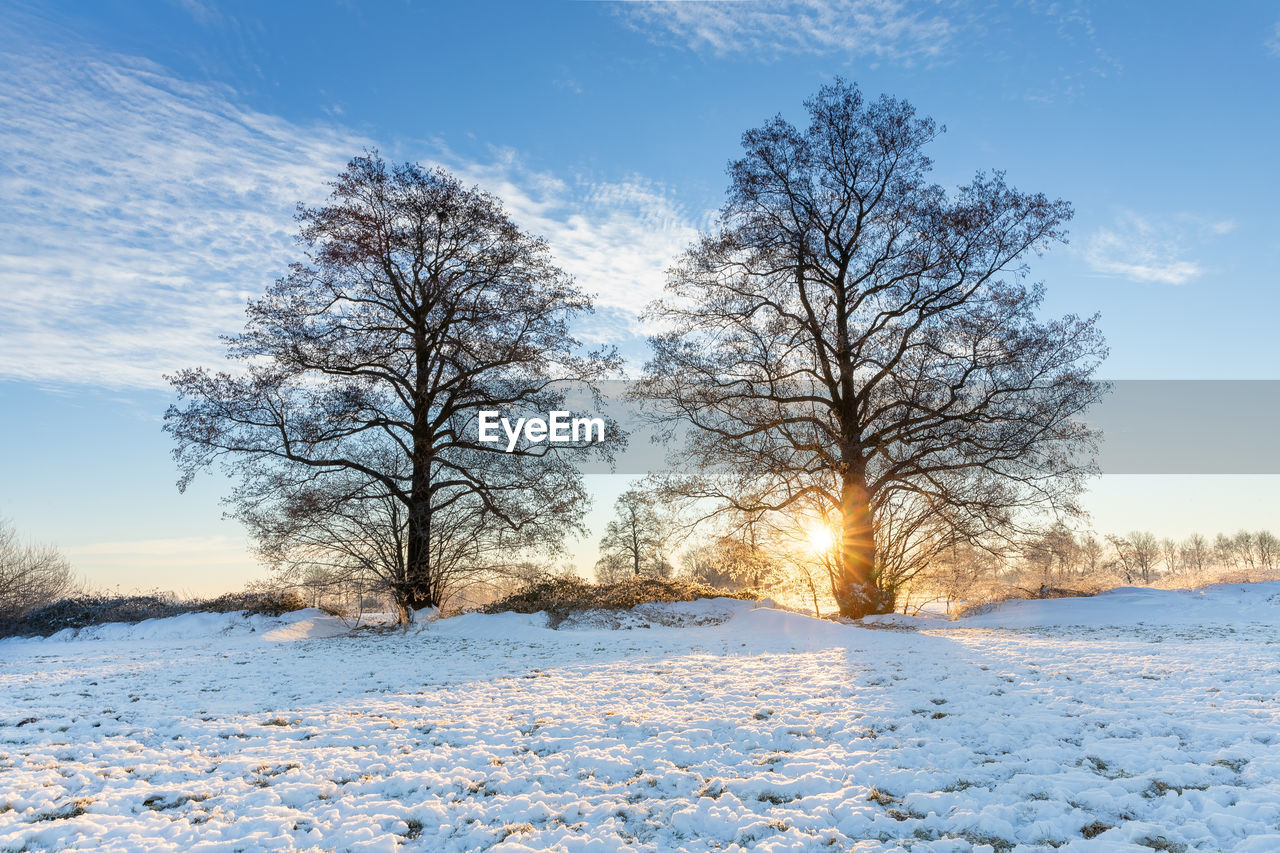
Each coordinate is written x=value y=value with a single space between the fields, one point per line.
x=1273 y=41
x=1013 y=37
x=616 y=238
x=1148 y=249
x=142 y=211
x=883 y=29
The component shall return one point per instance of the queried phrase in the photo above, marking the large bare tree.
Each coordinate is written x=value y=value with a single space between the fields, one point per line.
x=852 y=333
x=353 y=423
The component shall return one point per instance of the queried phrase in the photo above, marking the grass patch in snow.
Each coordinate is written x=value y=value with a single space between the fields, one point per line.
x=73 y=809
x=158 y=803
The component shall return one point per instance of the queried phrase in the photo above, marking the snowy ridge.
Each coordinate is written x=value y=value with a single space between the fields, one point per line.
x=300 y=624
x=1221 y=604
x=1127 y=606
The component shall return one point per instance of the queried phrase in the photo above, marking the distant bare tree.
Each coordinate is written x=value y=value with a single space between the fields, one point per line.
x=1171 y=554
x=734 y=561
x=851 y=333
x=702 y=561
x=1246 y=547
x=1196 y=554
x=1054 y=553
x=613 y=567
x=1237 y=552
x=1146 y=553
x=966 y=572
x=417 y=305
x=1123 y=562
x=1224 y=551
x=634 y=539
x=1091 y=551
x=1267 y=547
x=1138 y=554
x=31 y=575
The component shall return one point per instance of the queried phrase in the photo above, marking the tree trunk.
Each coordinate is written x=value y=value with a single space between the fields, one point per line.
x=422 y=589
x=856 y=590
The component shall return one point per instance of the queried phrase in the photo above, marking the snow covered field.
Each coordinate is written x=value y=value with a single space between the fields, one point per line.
x=1137 y=720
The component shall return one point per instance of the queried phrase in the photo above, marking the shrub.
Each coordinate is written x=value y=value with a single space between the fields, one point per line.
x=82 y=611
x=267 y=603
x=561 y=595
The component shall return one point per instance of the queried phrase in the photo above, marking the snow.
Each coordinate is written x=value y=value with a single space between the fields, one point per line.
x=1136 y=720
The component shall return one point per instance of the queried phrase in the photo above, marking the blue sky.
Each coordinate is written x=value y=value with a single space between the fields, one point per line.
x=152 y=154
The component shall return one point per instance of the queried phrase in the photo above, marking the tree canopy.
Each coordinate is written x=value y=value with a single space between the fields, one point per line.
x=855 y=343
x=351 y=421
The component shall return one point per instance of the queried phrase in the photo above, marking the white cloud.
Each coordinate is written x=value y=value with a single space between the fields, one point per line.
x=885 y=29
x=1272 y=44
x=1152 y=250
x=617 y=239
x=142 y=211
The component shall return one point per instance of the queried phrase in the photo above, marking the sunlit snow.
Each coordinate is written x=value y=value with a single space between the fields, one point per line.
x=1139 y=719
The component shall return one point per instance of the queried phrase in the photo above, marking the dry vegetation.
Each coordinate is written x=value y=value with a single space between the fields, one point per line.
x=82 y=611
x=561 y=595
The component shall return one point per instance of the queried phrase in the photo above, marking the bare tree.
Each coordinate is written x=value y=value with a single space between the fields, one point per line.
x=1146 y=553
x=1171 y=554
x=634 y=540
x=966 y=572
x=1196 y=554
x=613 y=567
x=1224 y=551
x=1267 y=547
x=1053 y=554
x=1123 y=562
x=736 y=560
x=1137 y=554
x=851 y=333
x=31 y=575
x=352 y=424
x=1238 y=551
x=1091 y=551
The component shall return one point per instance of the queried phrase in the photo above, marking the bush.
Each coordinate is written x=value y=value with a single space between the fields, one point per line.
x=83 y=611
x=562 y=595
x=269 y=603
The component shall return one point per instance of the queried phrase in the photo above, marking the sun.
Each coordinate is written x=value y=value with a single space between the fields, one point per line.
x=821 y=539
